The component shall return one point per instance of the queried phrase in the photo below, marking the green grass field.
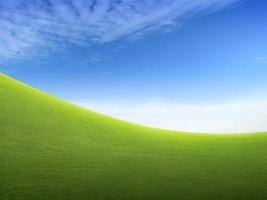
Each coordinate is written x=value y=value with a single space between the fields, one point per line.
x=53 y=150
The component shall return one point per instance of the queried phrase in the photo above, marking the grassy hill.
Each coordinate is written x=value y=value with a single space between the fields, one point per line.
x=52 y=150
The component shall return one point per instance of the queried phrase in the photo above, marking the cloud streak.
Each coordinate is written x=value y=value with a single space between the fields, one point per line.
x=30 y=25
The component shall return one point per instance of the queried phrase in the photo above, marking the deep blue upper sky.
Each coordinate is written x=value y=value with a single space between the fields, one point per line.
x=208 y=57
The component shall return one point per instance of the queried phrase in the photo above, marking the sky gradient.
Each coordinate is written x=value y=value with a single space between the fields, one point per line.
x=176 y=64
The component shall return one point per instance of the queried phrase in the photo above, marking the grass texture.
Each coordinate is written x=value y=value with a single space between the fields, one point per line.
x=53 y=150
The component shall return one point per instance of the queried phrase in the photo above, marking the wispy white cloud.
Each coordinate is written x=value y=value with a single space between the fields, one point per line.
x=30 y=25
x=260 y=58
x=235 y=117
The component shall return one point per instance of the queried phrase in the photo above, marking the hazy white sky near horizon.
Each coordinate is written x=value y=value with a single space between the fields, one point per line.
x=234 y=117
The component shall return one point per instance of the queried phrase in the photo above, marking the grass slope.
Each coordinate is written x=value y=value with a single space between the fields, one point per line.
x=52 y=150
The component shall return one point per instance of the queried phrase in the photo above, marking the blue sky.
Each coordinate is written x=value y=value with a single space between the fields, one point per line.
x=129 y=55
